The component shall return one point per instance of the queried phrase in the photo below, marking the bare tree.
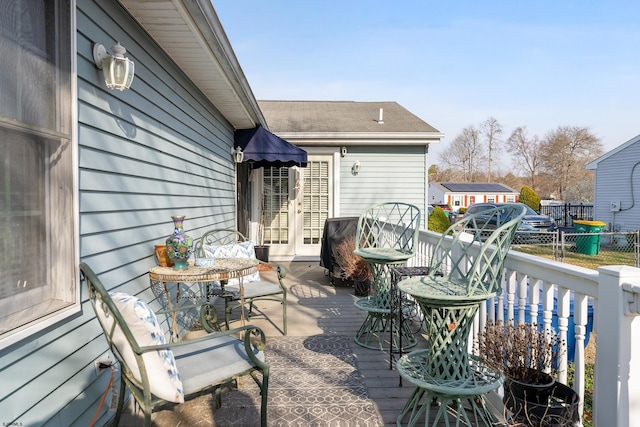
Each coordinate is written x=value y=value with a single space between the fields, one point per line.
x=526 y=152
x=464 y=153
x=492 y=129
x=565 y=151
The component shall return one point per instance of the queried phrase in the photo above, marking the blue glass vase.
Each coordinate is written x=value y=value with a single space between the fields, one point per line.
x=179 y=245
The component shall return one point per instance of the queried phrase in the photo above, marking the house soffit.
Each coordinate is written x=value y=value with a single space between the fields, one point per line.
x=191 y=34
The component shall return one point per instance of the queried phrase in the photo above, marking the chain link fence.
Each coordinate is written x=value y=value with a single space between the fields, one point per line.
x=589 y=250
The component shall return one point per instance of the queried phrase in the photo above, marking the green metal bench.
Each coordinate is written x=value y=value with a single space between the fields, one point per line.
x=386 y=236
x=254 y=290
x=157 y=372
x=465 y=269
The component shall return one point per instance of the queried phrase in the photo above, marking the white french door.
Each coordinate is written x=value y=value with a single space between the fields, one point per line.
x=297 y=201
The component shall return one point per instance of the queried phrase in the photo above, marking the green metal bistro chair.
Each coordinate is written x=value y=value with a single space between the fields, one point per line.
x=157 y=372
x=231 y=243
x=386 y=236
x=465 y=269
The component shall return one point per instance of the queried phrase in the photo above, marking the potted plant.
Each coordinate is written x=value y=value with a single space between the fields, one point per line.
x=526 y=354
x=354 y=267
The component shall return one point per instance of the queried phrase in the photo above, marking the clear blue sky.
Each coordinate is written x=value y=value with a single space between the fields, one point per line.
x=540 y=64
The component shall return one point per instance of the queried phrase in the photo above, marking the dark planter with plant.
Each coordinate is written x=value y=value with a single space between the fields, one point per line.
x=262 y=250
x=354 y=267
x=525 y=354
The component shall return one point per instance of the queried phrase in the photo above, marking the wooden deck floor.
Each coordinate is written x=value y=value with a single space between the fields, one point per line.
x=315 y=306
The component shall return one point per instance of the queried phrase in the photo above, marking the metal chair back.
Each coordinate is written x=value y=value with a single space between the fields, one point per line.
x=389 y=229
x=457 y=257
x=260 y=290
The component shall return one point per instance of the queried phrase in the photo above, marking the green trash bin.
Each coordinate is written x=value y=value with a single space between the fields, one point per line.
x=588 y=245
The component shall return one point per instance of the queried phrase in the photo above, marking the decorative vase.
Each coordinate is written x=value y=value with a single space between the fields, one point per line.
x=179 y=245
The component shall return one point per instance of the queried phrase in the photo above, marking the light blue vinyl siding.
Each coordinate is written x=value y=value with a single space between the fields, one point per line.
x=156 y=150
x=389 y=173
x=617 y=180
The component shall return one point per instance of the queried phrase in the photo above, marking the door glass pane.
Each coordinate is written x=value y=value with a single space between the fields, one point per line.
x=316 y=200
x=275 y=211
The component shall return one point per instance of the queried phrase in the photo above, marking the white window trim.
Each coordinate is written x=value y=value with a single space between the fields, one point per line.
x=51 y=319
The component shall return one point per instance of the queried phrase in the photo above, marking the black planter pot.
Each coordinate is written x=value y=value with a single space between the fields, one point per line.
x=262 y=253
x=536 y=389
x=543 y=405
x=361 y=287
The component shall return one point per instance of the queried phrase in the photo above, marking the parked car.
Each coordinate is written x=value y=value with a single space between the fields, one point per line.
x=532 y=224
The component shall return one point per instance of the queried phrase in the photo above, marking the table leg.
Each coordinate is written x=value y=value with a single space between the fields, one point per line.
x=174 y=320
x=241 y=284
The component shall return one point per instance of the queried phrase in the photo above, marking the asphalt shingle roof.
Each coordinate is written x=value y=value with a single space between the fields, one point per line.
x=340 y=116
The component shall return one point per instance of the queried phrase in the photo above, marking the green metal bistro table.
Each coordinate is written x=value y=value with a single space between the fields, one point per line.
x=465 y=269
x=451 y=378
x=386 y=236
x=379 y=322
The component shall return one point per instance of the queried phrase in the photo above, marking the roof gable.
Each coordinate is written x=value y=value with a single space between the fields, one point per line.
x=594 y=164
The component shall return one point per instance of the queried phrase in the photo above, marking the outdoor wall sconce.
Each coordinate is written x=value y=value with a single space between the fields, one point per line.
x=355 y=168
x=238 y=155
x=118 y=70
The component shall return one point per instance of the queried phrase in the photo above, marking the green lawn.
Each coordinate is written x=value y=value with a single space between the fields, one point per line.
x=605 y=256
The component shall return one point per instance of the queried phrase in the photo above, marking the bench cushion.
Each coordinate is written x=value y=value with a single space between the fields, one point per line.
x=234 y=250
x=164 y=378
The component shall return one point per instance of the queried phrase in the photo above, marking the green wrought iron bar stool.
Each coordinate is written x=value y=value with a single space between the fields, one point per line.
x=465 y=270
x=386 y=236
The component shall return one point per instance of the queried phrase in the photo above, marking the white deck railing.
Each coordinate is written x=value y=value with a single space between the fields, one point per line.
x=548 y=292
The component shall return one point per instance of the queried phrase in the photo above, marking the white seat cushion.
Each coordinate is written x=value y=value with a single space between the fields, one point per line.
x=255 y=289
x=211 y=362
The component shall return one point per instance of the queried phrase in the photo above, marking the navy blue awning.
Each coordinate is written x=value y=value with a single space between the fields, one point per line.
x=262 y=148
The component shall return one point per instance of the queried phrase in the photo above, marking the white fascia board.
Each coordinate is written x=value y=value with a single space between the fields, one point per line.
x=361 y=138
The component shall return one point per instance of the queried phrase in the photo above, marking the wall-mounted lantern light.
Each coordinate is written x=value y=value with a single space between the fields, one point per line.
x=355 y=168
x=118 y=70
x=238 y=155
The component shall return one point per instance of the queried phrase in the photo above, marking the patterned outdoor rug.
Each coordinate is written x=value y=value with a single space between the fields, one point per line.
x=314 y=382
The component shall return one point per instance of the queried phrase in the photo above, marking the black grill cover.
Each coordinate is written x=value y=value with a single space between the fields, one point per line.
x=336 y=230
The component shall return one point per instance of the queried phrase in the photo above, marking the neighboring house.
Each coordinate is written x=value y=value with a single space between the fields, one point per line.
x=617 y=187
x=359 y=153
x=92 y=174
x=463 y=194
